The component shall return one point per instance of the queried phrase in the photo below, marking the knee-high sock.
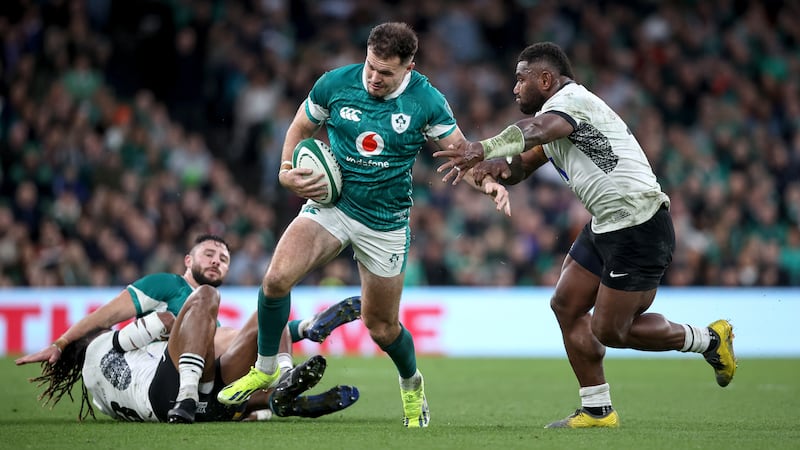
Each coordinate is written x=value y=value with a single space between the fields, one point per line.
x=273 y=313
x=294 y=330
x=402 y=353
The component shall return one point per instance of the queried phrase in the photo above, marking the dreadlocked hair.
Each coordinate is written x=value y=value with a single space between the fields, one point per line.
x=59 y=378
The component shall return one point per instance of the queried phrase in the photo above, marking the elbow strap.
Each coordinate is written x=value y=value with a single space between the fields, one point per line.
x=509 y=142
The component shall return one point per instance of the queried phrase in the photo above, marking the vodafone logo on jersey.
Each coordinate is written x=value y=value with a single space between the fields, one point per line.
x=369 y=143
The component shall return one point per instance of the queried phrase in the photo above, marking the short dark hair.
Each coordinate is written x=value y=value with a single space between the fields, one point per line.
x=210 y=237
x=393 y=39
x=550 y=53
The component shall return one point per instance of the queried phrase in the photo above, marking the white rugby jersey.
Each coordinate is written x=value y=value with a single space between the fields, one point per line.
x=602 y=162
x=120 y=382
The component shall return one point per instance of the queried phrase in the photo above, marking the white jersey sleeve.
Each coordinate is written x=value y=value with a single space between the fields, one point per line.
x=602 y=162
x=120 y=382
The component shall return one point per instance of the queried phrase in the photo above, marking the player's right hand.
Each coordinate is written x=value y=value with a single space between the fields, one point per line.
x=50 y=354
x=462 y=156
x=300 y=181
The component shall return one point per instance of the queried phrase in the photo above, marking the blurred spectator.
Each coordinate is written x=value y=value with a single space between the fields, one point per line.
x=126 y=127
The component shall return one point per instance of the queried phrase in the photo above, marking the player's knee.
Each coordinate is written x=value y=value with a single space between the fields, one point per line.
x=557 y=305
x=562 y=308
x=608 y=335
x=276 y=283
x=382 y=332
x=204 y=296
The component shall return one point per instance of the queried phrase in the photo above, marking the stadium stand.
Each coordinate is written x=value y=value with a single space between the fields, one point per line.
x=126 y=128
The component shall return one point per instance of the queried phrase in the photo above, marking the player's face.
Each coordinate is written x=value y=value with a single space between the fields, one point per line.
x=209 y=262
x=527 y=89
x=384 y=75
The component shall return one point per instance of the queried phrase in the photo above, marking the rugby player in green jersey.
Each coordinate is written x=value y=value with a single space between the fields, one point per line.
x=378 y=116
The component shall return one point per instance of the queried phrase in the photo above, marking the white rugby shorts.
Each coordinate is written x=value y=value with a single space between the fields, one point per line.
x=383 y=253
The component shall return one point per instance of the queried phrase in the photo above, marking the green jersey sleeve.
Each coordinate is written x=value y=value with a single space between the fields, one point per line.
x=159 y=292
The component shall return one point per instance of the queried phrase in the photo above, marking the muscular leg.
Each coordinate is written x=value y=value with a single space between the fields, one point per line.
x=380 y=312
x=304 y=246
x=194 y=328
x=575 y=296
x=191 y=349
x=572 y=302
x=620 y=321
x=240 y=351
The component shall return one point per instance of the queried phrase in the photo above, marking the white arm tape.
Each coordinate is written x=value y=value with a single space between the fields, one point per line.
x=140 y=332
x=509 y=142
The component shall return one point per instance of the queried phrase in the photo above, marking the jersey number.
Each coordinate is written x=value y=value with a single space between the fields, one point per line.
x=124 y=413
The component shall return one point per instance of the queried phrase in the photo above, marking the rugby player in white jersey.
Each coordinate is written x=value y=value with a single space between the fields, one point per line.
x=616 y=263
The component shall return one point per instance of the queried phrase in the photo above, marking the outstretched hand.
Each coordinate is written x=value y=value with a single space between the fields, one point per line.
x=49 y=354
x=462 y=156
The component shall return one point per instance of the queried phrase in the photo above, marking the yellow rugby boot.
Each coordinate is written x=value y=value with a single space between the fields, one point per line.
x=415 y=407
x=240 y=390
x=584 y=419
x=721 y=357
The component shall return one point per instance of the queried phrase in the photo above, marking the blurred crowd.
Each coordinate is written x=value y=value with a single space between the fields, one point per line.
x=129 y=127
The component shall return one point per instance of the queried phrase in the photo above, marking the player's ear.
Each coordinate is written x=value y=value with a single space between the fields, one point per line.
x=411 y=66
x=545 y=79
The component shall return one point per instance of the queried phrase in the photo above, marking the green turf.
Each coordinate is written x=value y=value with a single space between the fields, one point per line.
x=475 y=404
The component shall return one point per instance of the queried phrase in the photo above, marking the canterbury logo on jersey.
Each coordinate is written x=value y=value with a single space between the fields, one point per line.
x=348 y=113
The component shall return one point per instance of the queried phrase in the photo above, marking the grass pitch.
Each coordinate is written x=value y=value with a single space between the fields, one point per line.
x=475 y=404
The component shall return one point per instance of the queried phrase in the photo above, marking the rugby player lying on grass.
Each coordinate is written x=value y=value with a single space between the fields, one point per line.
x=132 y=374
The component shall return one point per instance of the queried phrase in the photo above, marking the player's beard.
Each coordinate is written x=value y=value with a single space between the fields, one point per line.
x=532 y=105
x=201 y=279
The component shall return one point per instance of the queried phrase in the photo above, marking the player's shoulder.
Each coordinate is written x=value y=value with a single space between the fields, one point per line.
x=420 y=82
x=423 y=91
x=160 y=280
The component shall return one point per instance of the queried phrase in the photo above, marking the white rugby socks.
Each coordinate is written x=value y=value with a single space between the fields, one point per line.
x=190 y=367
x=595 y=396
x=696 y=339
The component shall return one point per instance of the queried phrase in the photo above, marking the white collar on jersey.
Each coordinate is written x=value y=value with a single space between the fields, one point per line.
x=400 y=89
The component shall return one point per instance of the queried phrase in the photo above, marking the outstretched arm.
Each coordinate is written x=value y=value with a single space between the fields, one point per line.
x=523 y=135
x=119 y=309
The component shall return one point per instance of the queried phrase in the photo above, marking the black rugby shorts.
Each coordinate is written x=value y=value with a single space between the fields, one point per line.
x=631 y=259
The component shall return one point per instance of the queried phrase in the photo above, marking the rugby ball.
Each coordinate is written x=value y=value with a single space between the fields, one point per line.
x=316 y=155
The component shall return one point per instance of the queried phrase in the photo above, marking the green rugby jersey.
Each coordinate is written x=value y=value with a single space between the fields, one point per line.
x=159 y=292
x=376 y=140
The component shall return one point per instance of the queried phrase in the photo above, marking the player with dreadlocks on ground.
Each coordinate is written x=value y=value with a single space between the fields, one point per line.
x=138 y=384
x=206 y=267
